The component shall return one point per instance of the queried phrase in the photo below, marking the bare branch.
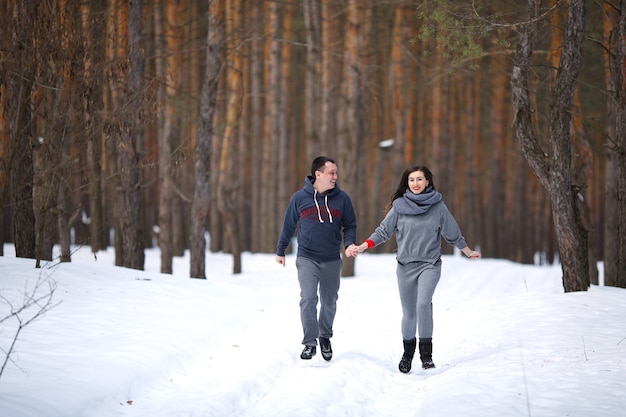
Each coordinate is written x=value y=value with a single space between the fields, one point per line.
x=33 y=306
x=515 y=25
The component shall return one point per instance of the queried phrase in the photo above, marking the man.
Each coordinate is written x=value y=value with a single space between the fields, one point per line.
x=324 y=212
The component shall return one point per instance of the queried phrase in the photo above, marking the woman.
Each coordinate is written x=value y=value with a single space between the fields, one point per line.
x=419 y=218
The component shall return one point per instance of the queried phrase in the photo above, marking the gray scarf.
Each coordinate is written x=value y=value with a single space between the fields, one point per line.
x=414 y=204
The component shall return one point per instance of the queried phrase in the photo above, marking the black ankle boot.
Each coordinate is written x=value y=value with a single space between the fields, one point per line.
x=407 y=357
x=426 y=353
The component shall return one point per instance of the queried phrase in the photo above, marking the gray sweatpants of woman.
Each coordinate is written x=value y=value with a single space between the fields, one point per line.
x=417 y=282
x=325 y=276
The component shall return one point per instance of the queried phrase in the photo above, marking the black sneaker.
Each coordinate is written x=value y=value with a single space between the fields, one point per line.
x=428 y=365
x=327 y=350
x=308 y=352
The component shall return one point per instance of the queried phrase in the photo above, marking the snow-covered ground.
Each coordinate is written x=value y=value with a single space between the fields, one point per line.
x=122 y=342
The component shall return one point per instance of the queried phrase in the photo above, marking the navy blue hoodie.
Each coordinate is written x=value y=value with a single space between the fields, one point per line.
x=322 y=219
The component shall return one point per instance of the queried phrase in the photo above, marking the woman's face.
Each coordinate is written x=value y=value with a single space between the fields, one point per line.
x=417 y=182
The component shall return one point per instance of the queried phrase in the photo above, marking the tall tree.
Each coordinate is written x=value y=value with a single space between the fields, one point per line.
x=256 y=122
x=581 y=152
x=57 y=54
x=474 y=218
x=331 y=74
x=63 y=132
x=115 y=52
x=615 y=188
x=202 y=151
x=170 y=72
x=313 y=90
x=552 y=165
x=129 y=188
x=399 y=88
x=287 y=144
x=351 y=121
x=92 y=24
x=227 y=182
x=45 y=150
x=6 y=12
x=269 y=205
x=21 y=159
x=497 y=165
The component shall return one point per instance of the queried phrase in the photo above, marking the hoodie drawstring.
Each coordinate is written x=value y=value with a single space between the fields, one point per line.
x=319 y=215
x=330 y=216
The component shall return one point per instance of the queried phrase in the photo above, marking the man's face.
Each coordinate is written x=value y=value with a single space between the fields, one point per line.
x=326 y=178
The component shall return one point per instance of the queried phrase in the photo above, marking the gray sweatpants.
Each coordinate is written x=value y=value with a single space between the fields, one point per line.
x=326 y=276
x=417 y=282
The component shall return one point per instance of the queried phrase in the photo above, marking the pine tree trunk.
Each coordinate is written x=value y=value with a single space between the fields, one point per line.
x=399 y=88
x=313 y=90
x=6 y=9
x=170 y=72
x=256 y=123
x=116 y=28
x=227 y=181
x=69 y=44
x=270 y=222
x=615 y=174
x=129 y=190
x=92 y=109
x=21 y=168
x=332 y=38
x=202 y=151
x=351 y=119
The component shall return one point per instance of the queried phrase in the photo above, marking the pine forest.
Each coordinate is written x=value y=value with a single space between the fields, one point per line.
x=188 y=125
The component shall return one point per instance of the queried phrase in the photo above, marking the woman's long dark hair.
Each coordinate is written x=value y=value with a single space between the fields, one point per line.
x=404 y=181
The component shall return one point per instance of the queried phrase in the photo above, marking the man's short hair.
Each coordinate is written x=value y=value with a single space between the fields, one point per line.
x=319 y=163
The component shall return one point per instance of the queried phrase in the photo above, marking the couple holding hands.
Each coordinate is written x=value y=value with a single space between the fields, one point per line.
x=418 y=217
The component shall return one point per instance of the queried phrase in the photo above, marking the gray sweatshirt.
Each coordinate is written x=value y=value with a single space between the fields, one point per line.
x=419 y=235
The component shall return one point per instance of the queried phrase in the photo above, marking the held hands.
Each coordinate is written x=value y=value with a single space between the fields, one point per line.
x=354 y=250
